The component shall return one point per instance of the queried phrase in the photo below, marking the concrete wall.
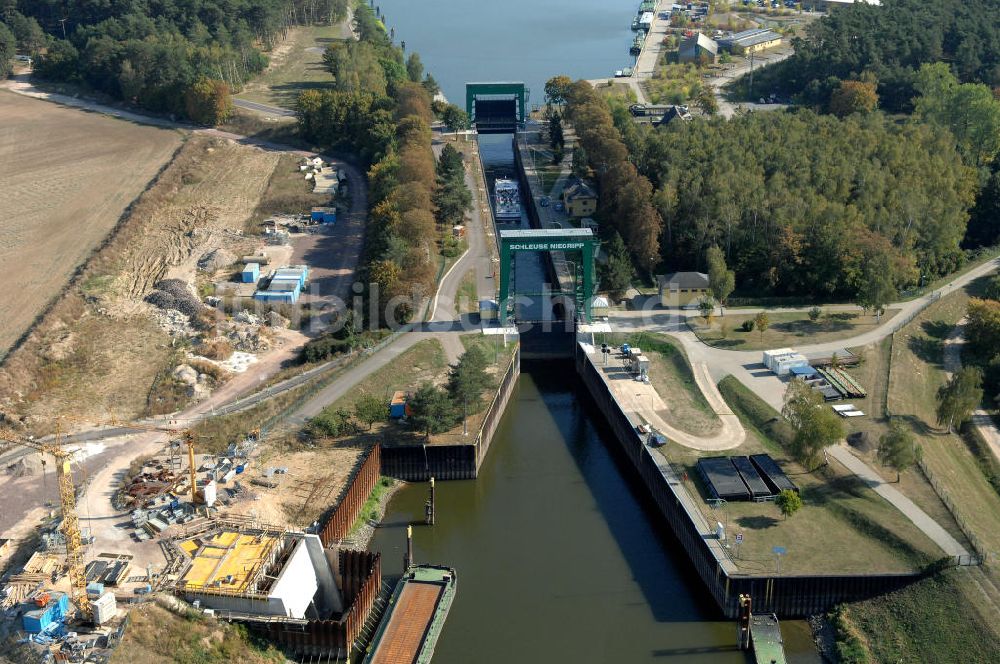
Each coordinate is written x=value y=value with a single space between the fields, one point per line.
x=297 y=583
x=328 y=600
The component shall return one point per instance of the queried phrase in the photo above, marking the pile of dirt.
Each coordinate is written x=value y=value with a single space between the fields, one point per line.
x=25 y=466
x=175 y=294
x=215 y=260
x=198 y=384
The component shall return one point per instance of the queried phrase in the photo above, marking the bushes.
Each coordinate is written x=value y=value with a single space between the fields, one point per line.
x=332 y=423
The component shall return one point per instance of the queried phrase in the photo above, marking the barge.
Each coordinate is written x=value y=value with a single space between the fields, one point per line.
x=415 y=616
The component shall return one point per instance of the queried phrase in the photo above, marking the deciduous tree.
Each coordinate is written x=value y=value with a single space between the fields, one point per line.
x=371 y=409
x=789 y=502
x=815 y=427
x=896 y=448
x=721 y=280
x=208 y=101
x=959 y=397
x=853 y=97
x=556 y=89
x=761 y=322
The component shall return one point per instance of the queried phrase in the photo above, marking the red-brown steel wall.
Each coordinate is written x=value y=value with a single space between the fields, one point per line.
x=339 y=523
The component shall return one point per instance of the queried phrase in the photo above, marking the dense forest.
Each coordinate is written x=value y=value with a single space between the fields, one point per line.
x=799 y=202
x=160 y=54
x=889 y=43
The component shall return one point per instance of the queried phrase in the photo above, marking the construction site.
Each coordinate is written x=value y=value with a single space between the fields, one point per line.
x=185 y=537
x=192 y=301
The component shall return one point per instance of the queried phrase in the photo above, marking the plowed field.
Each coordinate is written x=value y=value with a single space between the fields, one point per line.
x=65 y=179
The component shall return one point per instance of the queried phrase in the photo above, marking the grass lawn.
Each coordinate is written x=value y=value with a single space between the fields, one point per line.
x=670 y=374
x=296 y=66
x=496 y=350
x=424 y=362
x=917 y=373
x=842 y=527
x=468 y=298
x=926 y=622
x=873 y=373
x=786 y=329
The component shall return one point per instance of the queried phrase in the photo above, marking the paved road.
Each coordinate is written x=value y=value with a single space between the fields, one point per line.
x=746 y=365
x=741 y=68
x=263 y=108
x=920 y=519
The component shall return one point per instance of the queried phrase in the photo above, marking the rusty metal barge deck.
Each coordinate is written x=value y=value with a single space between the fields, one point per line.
x=415 y=616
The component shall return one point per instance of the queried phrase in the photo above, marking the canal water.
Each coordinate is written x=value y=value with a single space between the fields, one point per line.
x=558 y=558
x=460 y=41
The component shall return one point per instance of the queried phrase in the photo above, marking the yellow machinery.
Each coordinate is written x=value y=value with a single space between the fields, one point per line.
x=70 y=523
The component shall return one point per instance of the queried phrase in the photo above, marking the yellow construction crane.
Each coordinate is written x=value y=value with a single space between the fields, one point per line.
x=70 y=520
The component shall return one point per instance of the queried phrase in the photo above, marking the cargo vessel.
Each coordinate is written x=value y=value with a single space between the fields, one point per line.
x=507 y=200
x=415 y=616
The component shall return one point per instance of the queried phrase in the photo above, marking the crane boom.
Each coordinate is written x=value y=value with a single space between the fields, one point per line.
x=70 y=519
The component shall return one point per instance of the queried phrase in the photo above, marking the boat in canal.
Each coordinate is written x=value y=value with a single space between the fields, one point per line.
x=507 y=199
x=637 y=43
x=414 y=617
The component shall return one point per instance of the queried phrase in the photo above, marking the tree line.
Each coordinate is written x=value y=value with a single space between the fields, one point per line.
x=171 y=56
x=625 y=203
x=380 y=108
x=890 y=42
x=807 y=204
x=433 y=409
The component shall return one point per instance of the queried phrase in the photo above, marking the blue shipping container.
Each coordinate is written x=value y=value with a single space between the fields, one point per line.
x=39 y=620
x=251 y=273
x=323 y=215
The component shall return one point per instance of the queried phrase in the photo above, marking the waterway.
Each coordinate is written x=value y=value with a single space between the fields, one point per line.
x=558 y=558
x=516 y=40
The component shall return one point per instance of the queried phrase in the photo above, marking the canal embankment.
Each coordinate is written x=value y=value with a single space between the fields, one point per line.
x=788 y=595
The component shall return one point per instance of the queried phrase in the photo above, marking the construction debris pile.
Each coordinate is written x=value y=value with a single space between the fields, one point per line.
x=175 y=294
x=162 y=514
x=158 y=477
x=46 y=617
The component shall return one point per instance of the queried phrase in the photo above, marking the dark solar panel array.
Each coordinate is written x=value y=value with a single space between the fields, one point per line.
x=758 y=487
x=722 y=479
x=772 y=473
